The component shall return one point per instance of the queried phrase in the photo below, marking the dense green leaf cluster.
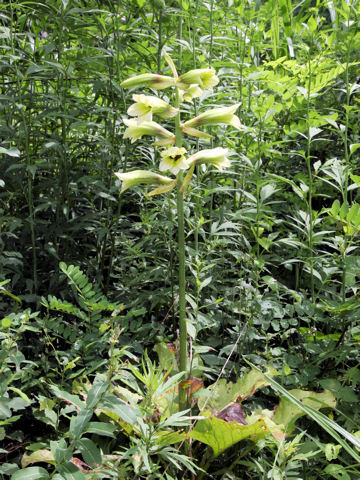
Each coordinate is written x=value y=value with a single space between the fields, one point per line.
x=88 y=278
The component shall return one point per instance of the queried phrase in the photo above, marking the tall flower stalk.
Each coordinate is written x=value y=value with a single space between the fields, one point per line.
x=174 y=158
x=181 y=257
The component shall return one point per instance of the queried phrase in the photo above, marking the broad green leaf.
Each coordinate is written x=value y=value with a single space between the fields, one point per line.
x=167 y=355
x=125 y=412
x=101 y=428
x=39 y=456
x=95 y=393
x=354 y=147
x=343 y=211
x=313 y=131
x=353 y=212
x=79 y=422
x=90 y=452
x=31 y=473
x=340 y=392
x=337 y=471
x=355 y=178
x=220 y=435
x=68 y=397
x=332 y=451
x=70 y=472
x=335 y=208
x=6 y=322
x=5 y=411
x=333 y=428
x=61 y=452
x=287 y=413
x=225 y=393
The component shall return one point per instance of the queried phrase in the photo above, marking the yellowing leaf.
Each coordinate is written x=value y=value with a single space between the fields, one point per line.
x=225 y=393
x=220 y=435
x=39 y=456
x=287 y=412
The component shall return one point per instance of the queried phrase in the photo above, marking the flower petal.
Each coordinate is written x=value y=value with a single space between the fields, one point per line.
x=205 y=77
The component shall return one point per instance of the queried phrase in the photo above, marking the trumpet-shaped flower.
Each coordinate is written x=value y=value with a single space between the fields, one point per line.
x=136 y=177
x=205 y=77
x=135 y=131
x=173 y=159
x=151 y=80
x=224 y=115
x=146 y=105
x=193 y=91
x=215 y=156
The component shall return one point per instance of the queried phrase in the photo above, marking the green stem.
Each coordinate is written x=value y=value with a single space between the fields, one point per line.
x=181 y=255
x=182 y=302
x=345 y=137
x=310 y=178
x=181 y=244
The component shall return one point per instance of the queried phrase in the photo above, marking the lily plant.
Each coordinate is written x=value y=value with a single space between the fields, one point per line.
x=174 y=158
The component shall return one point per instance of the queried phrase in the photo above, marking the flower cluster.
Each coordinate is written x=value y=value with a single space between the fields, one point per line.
x=173 y=159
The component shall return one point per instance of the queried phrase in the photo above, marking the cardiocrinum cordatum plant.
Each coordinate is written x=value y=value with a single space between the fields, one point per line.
x=174 y=157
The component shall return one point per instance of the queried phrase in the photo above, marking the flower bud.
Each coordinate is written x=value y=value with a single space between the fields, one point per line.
x=215 y=156
x=135 y=131
x=205 y=77
x=225 y=115
x=152 y=80
x=136 y=177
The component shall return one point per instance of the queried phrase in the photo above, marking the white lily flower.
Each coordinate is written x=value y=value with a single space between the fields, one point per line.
x=193 y=91
x=173 y=159
x=147 y=105
x=205 y=77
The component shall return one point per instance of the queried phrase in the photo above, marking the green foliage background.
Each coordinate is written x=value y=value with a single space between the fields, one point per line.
x=272 y=245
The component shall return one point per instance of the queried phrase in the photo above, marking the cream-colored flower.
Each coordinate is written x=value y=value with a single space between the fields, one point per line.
x=135 y=131
x=205 y=77
x=152 y=80
x=136 y=177
x=215 y=156
x=193 y=91
x=147 y=105
x=224 y=115
x=173 y=159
